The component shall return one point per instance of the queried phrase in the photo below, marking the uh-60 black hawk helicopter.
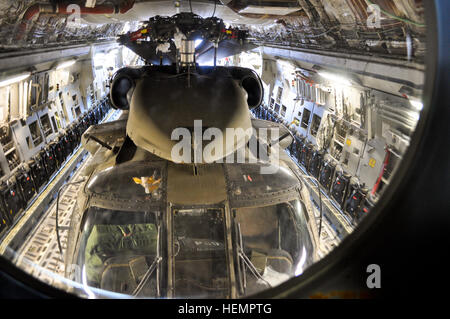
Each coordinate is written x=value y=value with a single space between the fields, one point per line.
x=151 y=224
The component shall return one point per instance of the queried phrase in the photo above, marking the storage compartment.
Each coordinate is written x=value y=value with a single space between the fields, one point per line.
x=26 y=186
x=38 y=172
x=326 y=174
x=315 y=163
x=305 y=156
x=35 y=133
x=11 y=200
x=315 y=124
x=339 y=187
x=305 y=118
x=46 y=125
x=48 y=157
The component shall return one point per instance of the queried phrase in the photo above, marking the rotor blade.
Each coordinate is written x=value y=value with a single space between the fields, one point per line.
x=226 y=48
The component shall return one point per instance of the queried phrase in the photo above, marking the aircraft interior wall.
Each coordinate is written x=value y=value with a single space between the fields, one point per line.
x=361 y=131
x=88 y=111
x=44 y=113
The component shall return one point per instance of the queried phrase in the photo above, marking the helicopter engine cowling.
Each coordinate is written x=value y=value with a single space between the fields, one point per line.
x=251 y=82
x=164 y=100
x=122 y=86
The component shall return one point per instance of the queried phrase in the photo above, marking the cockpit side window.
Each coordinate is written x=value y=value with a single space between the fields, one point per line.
x=117 y=249
x=273 y=245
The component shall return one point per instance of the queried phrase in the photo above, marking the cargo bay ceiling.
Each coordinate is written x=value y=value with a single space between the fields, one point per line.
x=335 y=26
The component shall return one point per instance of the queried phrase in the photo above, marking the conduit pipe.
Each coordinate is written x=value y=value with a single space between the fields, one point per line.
x=66 y=9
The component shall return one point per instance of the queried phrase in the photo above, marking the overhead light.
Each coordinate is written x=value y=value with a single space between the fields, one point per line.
x=66 y=64
x=15 y=79
x=286 y=64
x=99 y=58
x=198 y=42
x=335 y=78
x=415 y=116
x=418 y=105
x=114 y=51
x=126 y=28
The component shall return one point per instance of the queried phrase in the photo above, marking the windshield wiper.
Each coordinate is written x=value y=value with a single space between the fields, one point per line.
x=248 y=262
x=150 y=270
x=146 y=277
x=239 y=245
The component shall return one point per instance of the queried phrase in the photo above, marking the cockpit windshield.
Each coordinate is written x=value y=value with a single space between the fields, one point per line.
x=200 y=262
x=201 y=252
x=119 y=251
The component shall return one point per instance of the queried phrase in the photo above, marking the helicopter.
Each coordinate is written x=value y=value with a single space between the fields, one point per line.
x=156 y=218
